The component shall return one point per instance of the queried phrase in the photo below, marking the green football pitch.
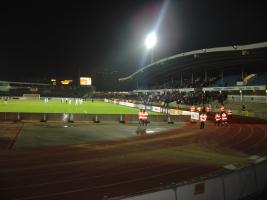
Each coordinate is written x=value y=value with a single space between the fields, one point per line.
x=55 y=106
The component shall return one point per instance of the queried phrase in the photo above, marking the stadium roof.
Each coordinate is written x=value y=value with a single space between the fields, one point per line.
x=209 y=59
x=25 y=83
x=7 y=85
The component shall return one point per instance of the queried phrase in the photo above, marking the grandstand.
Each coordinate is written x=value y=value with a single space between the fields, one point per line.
x=216 y=76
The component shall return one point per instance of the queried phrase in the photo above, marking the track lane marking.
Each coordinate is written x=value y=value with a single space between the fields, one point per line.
x=259 y=141
x=244 y=139
x=107 y=185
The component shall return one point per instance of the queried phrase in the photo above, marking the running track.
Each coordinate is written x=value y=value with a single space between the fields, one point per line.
x=122 y=167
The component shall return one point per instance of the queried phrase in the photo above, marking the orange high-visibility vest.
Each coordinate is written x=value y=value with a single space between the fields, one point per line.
x=145 y=115
x=140 y=115
x=224 y=117
x=217 y=117
x=203 y=117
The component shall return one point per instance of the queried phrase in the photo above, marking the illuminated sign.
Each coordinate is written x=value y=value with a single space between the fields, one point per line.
x=54 y=81
x=85 y=81
x=66 y=82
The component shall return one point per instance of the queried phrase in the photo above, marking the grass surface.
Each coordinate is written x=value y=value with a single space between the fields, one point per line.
x=55 y=106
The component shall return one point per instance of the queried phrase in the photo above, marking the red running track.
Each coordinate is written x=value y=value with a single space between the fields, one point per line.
x=120 y=167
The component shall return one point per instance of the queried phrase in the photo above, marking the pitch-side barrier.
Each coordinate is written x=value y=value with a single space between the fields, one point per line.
x=241 y=183
x=164 y=110
x=69 y=117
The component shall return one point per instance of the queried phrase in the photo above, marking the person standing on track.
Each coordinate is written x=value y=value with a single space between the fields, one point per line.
x=229 y=114
x=145 y=117
x=203 y=119
x=224 y=119
x=217 y=119
x=140 y=117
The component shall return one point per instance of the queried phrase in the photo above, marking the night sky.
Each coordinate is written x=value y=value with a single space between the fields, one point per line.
x=57 y=38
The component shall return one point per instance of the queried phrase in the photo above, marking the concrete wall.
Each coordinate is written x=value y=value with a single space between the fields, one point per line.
x=209 y=189
x=240 y=184
x=248 y=181
x=159 y=195
x=247 y=98
x=84 y=117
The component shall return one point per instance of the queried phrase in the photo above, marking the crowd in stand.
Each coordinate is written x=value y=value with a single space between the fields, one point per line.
x=164 y=99
x=198 y=82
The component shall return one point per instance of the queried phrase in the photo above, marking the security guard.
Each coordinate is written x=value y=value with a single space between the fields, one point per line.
x=145 y=117
x=224 y=119
x=140 y=117
x=203 y=119
x=217 y=119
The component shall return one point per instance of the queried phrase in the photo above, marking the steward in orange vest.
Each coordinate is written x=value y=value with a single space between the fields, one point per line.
x=145 y=117
x=217 y=119
x=203 y=119
x=224 y=118
x=140 y=117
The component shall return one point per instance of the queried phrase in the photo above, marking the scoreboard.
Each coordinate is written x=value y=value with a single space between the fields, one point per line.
x=85 y=81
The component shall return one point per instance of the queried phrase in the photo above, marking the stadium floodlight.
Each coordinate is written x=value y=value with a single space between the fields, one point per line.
x=151 y=40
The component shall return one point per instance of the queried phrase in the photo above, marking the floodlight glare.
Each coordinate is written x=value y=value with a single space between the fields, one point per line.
x=151 y=40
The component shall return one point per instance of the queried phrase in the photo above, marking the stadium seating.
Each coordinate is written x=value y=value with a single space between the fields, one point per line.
x=260 y=79
x=227 y=81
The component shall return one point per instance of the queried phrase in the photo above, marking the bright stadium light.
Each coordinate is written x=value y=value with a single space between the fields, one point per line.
x=151 y=40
